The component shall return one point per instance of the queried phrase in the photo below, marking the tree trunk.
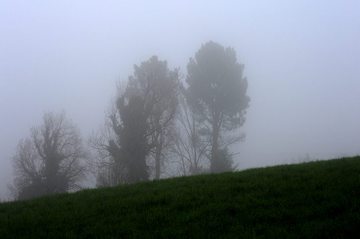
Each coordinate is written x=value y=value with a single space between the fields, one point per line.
x=158 y=157
x=215 y=144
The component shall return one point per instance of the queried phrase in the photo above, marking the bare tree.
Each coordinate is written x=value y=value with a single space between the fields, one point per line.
x=51 y=160
x=108 y=170
x=189 y=148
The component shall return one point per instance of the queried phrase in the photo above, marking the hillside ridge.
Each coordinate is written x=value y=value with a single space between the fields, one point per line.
x=309 y=200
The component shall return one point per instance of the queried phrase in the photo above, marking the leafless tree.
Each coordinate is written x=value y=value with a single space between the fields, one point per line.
x=189 y=148
x=108 y=171
x=51 y=160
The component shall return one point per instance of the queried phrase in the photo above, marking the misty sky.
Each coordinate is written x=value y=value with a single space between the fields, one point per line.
x=302 y=61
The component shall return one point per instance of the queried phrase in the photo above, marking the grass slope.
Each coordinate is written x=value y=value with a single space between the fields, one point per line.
x=310 y=200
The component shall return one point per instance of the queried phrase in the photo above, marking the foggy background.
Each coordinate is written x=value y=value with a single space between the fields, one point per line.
x=302 y=62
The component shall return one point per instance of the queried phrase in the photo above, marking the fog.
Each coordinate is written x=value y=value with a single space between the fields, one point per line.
x=302 y=62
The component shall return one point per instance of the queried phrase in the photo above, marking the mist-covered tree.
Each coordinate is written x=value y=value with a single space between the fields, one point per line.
x=217 y=94
x=140 y=125
x=123 y=147
x=132 y=147
x=189 y=148
x=51 y=160
x=158 y=86
x=224 y=161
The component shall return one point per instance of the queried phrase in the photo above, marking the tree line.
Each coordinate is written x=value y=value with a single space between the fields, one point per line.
x=160 y=125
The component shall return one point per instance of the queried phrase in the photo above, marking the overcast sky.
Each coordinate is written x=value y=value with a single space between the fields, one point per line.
x=302 y=62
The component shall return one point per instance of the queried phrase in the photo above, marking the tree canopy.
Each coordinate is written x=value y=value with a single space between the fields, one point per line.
x=217 y=93
x=156 y=116
x=140 y=123
x=51 y=160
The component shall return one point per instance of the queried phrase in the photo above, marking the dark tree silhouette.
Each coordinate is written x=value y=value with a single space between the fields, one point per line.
x=139 y=126
x=217 y=94
x=50 y=161
x=159 y=87
x=123 y=147
x=132 y=146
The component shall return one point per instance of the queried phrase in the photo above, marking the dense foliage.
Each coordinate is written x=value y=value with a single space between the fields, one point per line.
x=217 y=93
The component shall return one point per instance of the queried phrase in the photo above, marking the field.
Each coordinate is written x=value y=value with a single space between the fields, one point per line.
x=309 y=200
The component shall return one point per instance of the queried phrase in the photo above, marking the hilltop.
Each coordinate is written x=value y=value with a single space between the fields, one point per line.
x=309 y=200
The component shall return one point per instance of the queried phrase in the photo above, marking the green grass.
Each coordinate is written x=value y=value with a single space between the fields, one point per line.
x=309 y=200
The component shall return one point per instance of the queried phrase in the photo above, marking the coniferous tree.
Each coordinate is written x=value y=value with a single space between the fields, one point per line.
x=217 y=94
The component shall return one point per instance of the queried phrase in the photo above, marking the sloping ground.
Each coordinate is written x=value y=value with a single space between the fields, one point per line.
x=310 y=200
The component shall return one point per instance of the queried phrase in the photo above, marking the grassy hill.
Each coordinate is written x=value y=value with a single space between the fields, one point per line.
x=309 y=200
